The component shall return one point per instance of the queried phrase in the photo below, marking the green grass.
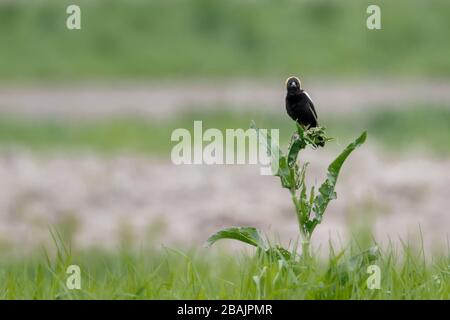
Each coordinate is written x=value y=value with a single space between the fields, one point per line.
x=397 y=130
x=208 y=274
x=141 y=39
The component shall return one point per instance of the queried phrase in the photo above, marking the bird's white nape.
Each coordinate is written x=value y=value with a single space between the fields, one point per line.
x=309 y=97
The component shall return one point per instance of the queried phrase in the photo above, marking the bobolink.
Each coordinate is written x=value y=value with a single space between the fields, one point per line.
x=299 y=105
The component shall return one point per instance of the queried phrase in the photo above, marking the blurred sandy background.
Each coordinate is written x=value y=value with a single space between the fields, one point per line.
x=86 y=118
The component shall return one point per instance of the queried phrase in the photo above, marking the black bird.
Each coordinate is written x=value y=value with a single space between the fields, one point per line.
x=299 y=105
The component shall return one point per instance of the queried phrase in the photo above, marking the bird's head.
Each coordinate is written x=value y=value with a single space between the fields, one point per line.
x=293 y=85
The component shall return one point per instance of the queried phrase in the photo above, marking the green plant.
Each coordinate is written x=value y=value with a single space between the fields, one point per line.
x=309 y=205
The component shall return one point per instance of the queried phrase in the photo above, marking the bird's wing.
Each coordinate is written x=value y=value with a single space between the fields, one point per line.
x=311 y=104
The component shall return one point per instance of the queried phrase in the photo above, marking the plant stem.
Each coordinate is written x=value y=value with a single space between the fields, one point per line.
x=303 y=233
x=297 y=209
x=305 y=248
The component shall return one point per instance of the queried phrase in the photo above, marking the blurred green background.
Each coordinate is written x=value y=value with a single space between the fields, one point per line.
x=201 y=38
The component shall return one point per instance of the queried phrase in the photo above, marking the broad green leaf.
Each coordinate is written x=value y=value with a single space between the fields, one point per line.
x=326 y=190
x=248 y=235
x=335 y=166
